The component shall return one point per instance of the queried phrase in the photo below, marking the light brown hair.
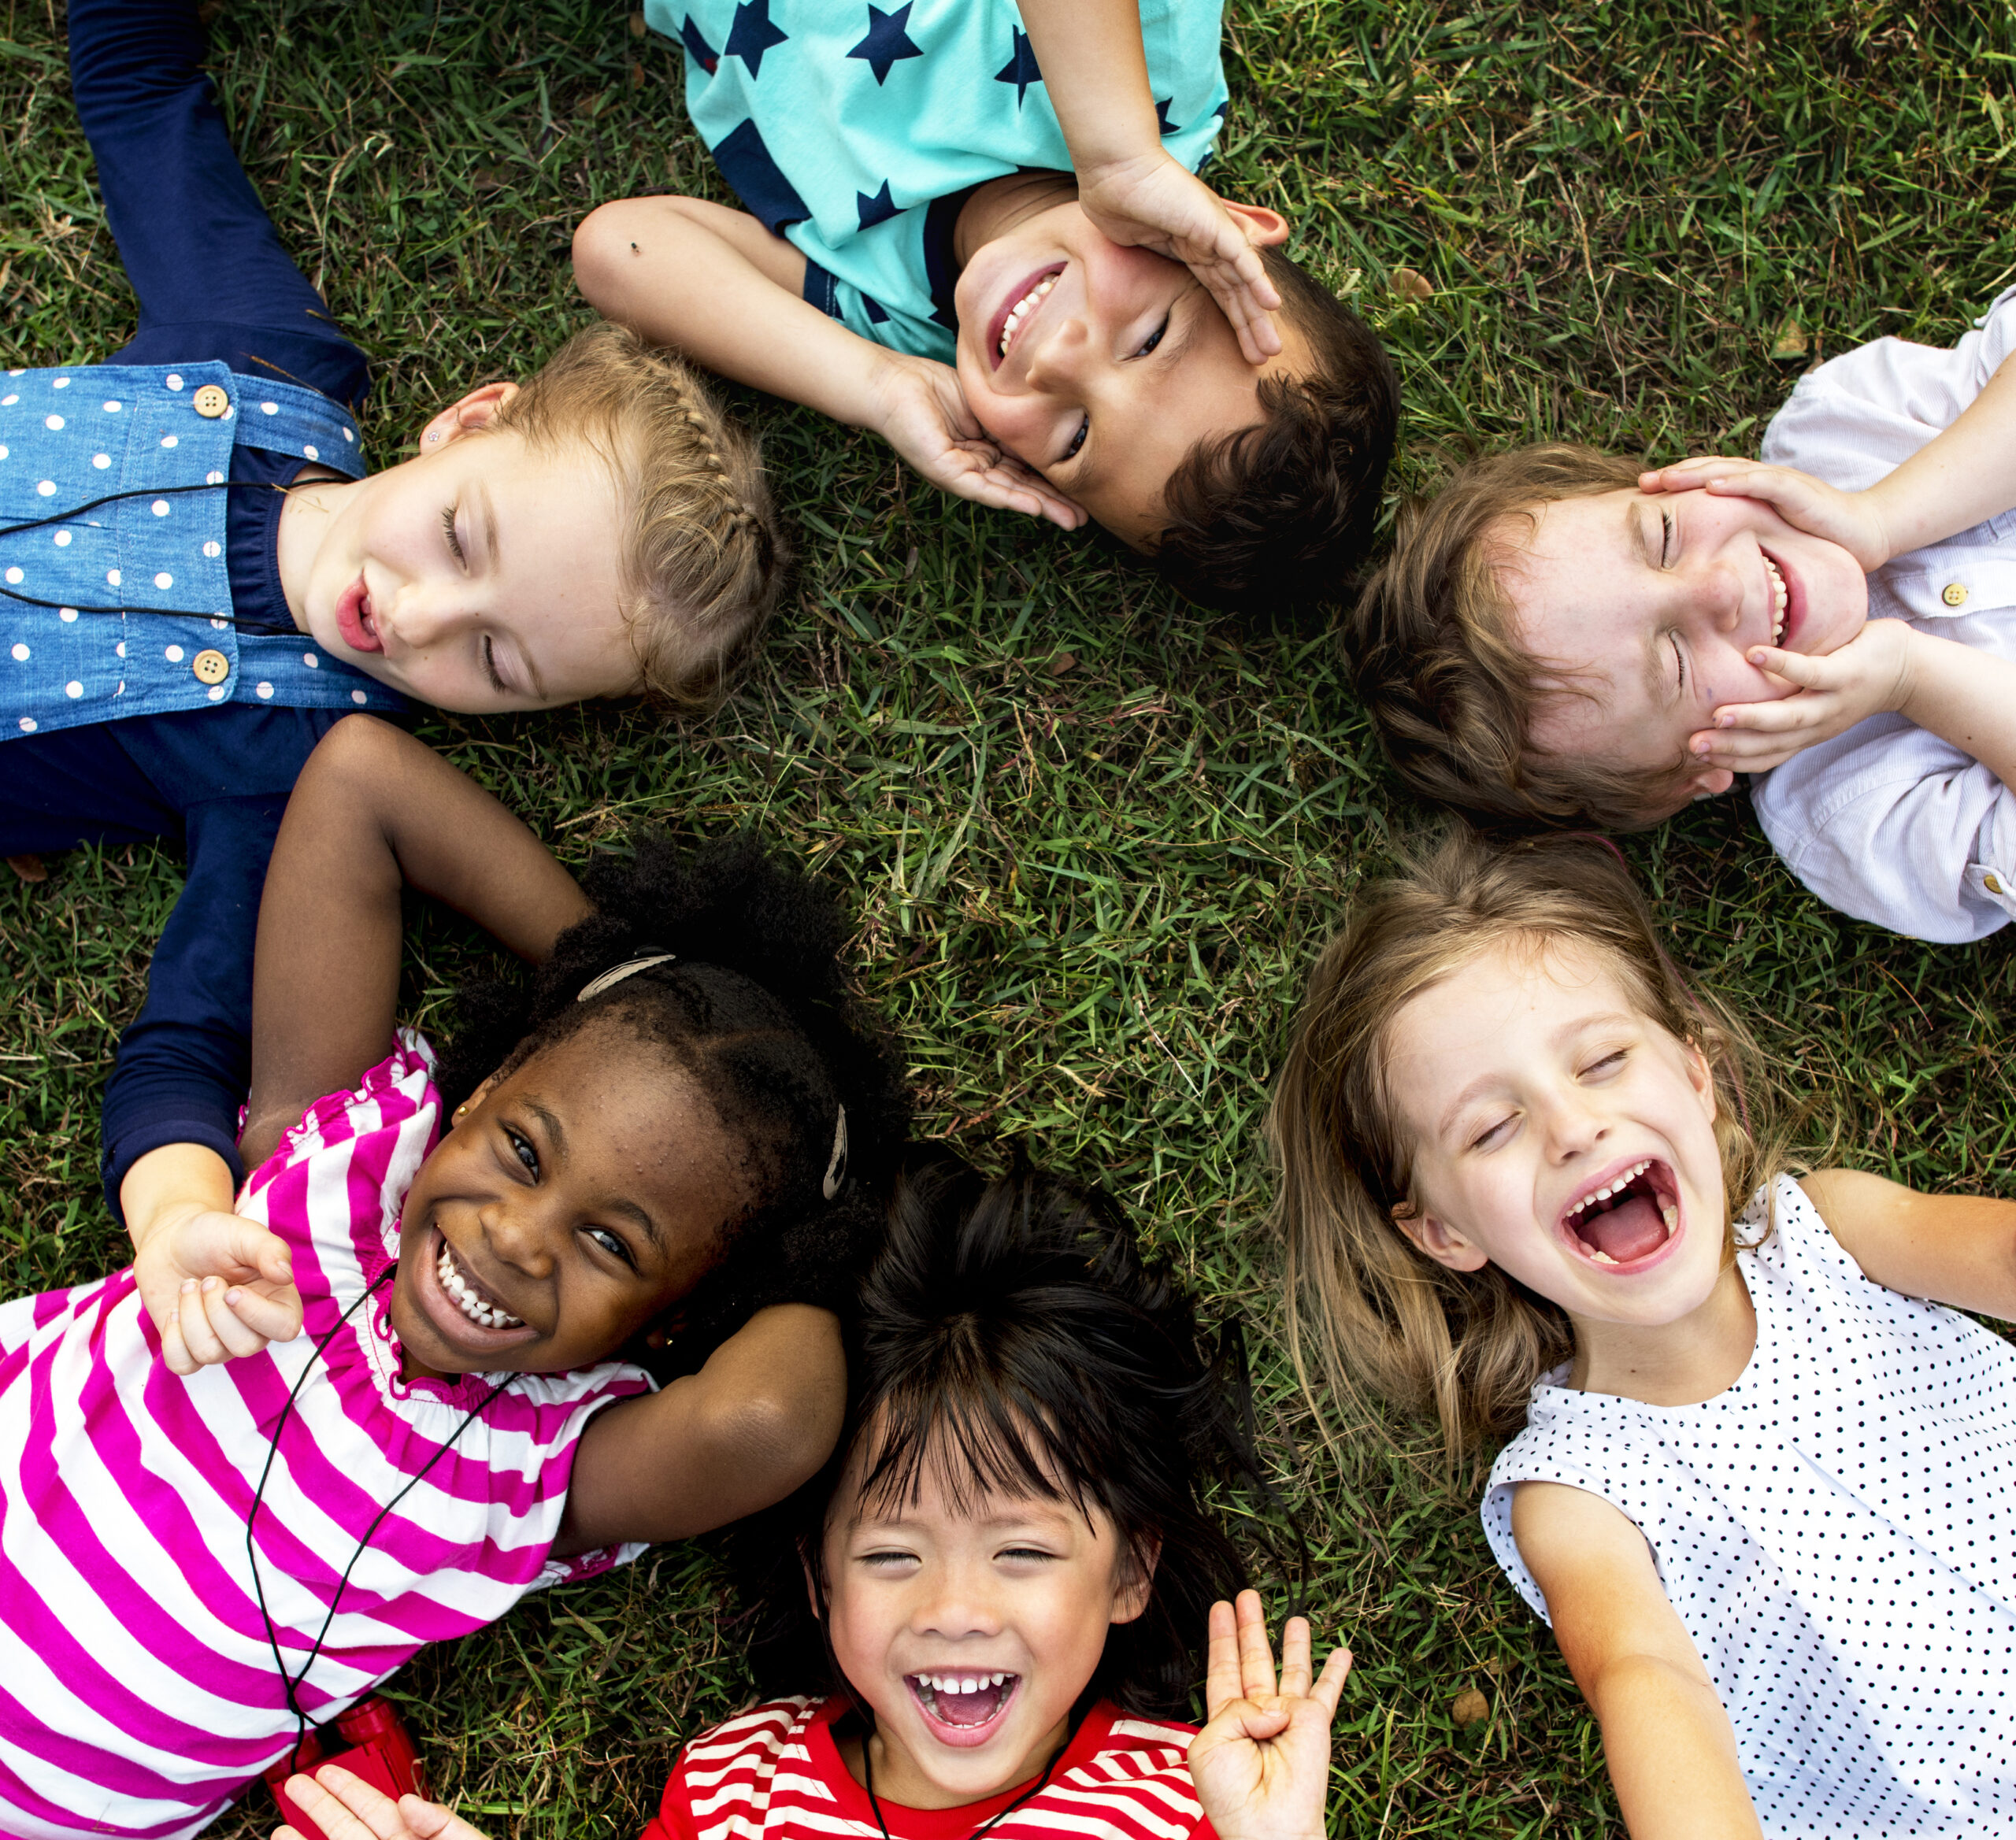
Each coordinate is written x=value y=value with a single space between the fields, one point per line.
x=1441 y=671
x=703 y=562
x=1377 y=1315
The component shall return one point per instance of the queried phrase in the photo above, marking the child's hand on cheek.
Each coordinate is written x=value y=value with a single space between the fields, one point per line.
x=922 y=412
x=347 y=1808
x=1868 y=675
x=1154 y=202
x=1853 y=519
x=1261 y=1766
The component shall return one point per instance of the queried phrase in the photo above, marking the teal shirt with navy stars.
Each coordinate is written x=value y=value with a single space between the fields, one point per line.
x=855 y=130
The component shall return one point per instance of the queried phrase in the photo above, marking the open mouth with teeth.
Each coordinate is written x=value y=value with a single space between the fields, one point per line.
x=964 y=1709
x=1627 y=1220
x=469 y=1296
x=1781 y=599
x=1020 y=311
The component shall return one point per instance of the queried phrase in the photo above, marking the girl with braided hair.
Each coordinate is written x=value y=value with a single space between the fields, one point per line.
x=573 y=1292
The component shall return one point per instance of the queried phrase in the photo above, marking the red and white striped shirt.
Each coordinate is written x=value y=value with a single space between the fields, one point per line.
x=775 y=1773
x=138 y=1692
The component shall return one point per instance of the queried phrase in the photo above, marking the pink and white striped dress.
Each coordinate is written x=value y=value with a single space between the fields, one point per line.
x=138 y=1691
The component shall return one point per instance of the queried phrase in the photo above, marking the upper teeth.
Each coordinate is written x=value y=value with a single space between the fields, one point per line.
x=1023 y=308
x=961 y=1683
x=1778 y=594
x=466 y=1300
x=1620 y=1183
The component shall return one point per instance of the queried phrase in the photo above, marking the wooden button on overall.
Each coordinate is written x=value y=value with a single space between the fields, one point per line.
x=211 y=667
x=1953 y=593
x=211 y=400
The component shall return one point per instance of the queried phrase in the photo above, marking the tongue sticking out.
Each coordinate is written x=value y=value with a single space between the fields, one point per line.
x=969 y=1708
x=1627 y=1231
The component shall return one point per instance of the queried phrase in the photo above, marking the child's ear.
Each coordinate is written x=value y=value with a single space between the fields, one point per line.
x=1711 y=783
x=811 y=1586
x=1438 y=1240
x=1701 y=1076
x=1139 y=1583
x=474 y=1100
x=1263 y=225
x=473 y=412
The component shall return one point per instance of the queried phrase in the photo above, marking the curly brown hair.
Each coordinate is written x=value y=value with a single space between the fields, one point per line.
x=1441 y=671
x=703 y=560
x=1280 y=513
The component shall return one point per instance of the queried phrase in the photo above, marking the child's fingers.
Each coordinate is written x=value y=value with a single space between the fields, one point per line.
x=199 y=1337
x=1256 y=1657
x=346 y=1807
x=1808 y=673
x=1330 y=1683
x=259 y=1249
x=429 y=1820
x=1295 y=1658
x=1690 y=476
x=1221 y=1680
x=272 y=1315
x=236 y=1336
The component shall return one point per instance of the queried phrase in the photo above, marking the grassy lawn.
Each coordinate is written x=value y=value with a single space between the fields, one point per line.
x=1093 y=835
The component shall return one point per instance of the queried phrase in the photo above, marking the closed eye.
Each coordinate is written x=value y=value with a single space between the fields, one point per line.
x=489 y=667
x=1666 y=540
x=1680 y=664
x=1492 y=1135
x=448 y=531
x=1608 y=1064
x=1035 y=1552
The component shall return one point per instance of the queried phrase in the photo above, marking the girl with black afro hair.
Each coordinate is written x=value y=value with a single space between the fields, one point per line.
x=462 y=1333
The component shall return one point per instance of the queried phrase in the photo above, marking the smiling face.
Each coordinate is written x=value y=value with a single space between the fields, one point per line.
x=971 y=1630
x=1561 y=1135
x=481 y=575
x=575 y=1198
x=1101 y=365
x=1655 y=601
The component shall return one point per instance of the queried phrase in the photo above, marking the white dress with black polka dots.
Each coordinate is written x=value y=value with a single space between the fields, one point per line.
x=1838 y=1534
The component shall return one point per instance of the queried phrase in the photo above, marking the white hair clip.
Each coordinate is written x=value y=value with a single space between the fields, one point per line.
x=836 y=1164
x=629 y=969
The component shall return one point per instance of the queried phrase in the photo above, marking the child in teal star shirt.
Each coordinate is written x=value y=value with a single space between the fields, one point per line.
x=975 y=228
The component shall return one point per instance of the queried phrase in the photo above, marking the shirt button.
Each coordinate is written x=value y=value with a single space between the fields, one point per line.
x=211 y=401
x=1992 y=884
x=211 y=667
x=1953 y=594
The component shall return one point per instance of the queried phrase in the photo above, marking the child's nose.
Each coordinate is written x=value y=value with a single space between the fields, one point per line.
x=958 y=1604
x=1060 y=361
x=1573 y=1126
x=520 y=1234
x=422 y=620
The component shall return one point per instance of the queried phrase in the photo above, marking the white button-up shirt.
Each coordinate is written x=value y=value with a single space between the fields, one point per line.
x=1887 y=822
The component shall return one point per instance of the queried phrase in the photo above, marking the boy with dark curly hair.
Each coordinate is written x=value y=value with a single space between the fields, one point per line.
x=977 y=228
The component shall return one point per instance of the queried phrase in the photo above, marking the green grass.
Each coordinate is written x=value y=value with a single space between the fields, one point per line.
x=1093 y=836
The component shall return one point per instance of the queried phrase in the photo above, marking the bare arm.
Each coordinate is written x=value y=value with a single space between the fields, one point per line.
x=756 y=1421
x=1669 y=1743
x=718 y=285
x=375 y=811
x=1953 y=1249
x=1096 y=72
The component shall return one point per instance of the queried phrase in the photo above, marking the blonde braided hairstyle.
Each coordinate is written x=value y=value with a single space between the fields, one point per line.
x=703 y=561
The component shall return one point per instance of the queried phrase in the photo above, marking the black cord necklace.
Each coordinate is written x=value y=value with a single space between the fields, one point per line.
x=259 y=628
x=868 y=1782
x=292 y=1682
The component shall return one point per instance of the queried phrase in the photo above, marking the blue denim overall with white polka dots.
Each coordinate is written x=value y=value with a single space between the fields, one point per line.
x=125 y=609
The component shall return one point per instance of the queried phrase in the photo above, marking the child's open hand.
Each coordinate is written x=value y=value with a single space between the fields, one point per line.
x=1262 y=1764
x=347 y=1808
x=1156 y=203
x=217 y=1286
x=922 y=412
x=1869 y=674
x=1853 y=519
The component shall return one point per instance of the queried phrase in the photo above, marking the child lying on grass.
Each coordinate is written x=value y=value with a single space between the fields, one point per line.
x=976 y=231
x=685 y=1132
x=986 y=1610
x=1561 y=636
x=197 y=578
